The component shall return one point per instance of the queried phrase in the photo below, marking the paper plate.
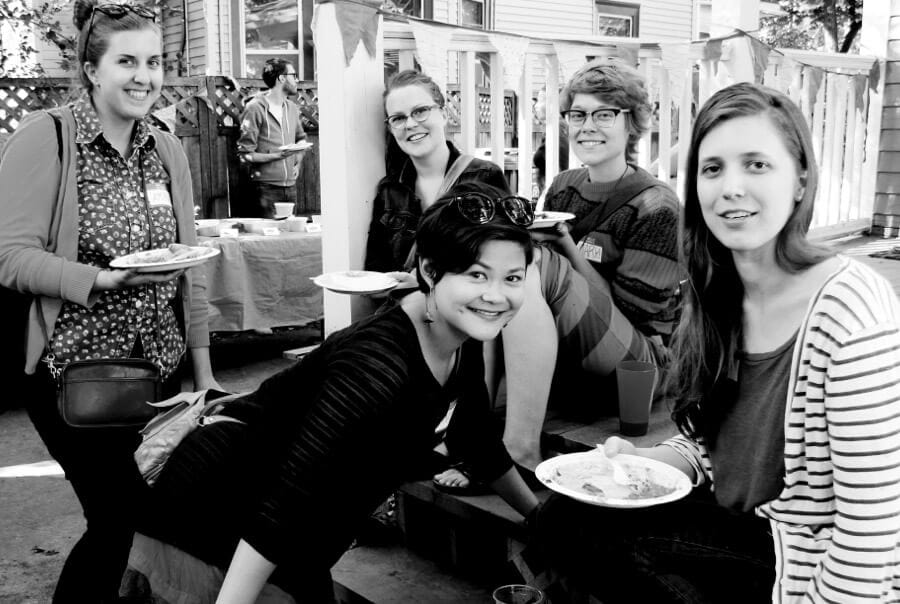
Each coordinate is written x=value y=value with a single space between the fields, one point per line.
x=542 y=220
x=581 y=477
x=148 y=261
x=355 y=282
x=298 y=146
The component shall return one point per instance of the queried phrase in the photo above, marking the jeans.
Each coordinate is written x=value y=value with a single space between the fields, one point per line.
x=268 y=195
x=692 y=550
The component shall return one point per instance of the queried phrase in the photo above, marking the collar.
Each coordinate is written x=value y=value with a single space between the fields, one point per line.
x=88 y=127
x=408 y=171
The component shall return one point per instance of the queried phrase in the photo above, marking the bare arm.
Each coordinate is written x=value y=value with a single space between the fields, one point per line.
x=246 y=576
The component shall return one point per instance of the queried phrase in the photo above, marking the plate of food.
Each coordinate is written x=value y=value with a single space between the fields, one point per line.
x=356 y=282
x=174 y=257
x=588 y=477
x=543 y=220
x=298 y=146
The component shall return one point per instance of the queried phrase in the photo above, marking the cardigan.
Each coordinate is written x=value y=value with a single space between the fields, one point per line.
x=39 y=226
x=836 y=523
x=262 y=133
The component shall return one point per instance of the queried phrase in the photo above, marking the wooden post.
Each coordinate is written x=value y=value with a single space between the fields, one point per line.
x=351 y=152
x=880 y=36
x=526 y=119
x=498 y=119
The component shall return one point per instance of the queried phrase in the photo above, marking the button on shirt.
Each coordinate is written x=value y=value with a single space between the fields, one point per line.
x=115 y=219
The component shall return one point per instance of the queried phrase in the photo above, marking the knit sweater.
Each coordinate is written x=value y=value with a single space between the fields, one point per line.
x=639 y=242
x=39 y=225
x=836 y=523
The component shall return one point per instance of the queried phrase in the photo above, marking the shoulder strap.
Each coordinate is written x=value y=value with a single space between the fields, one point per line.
x=599 y=214
x=459 y=166
x=58 y=127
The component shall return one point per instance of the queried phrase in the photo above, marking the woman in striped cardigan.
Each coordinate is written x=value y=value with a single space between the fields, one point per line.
x=788 y=366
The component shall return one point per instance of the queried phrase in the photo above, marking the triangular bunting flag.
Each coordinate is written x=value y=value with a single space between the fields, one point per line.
x=512 y=49
x=712 y=50
x=785 y=75
x=571 y=57
x=760 y=55
x=874 y=75
x=813 y=76
x=860 y=87
x=432 y=42
x=675 y=61
x=628 y=53
x=358 y=21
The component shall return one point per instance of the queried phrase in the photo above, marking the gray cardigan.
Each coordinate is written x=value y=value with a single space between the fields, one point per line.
x=39 y=226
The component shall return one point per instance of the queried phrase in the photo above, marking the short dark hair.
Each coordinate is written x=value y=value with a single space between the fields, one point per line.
x=411 y=77
x=273 y=69
x=453 y=244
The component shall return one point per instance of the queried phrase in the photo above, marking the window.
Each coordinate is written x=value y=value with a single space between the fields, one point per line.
x=423 y=9
x=617 y=19
x=268 y=29
x=476 y=13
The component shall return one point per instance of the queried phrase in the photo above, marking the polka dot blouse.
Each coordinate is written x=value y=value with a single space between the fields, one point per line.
x=116 y=217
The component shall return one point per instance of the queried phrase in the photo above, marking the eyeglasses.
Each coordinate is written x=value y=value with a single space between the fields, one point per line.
x=478 y=208
x=292 y=74
x=419 y=114
x=603 y=117
x=116 y=11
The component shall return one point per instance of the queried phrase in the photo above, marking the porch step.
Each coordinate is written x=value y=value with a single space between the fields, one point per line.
x=396 y=575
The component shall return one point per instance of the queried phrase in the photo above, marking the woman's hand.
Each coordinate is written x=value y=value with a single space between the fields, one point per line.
x=615 y=445
x=404 y=281
x=123 y=278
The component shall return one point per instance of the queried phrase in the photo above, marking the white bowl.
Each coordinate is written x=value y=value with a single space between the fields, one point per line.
x=296 y=224
x=284 y=209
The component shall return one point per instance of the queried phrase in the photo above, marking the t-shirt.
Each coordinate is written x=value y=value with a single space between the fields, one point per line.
x=748 y=456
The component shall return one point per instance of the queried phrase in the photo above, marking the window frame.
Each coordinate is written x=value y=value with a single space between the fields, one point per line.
x=487 y=14
x=618 y=10
x=303 y=60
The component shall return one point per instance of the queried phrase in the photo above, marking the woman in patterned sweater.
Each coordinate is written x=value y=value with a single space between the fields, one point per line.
x=788 y=367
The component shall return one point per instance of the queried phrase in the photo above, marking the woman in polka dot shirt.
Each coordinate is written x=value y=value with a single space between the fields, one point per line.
x=93 y=182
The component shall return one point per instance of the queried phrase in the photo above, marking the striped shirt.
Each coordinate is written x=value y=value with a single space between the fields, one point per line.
x=836 y=524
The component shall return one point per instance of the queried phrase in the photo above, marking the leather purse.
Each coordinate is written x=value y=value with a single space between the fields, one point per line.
x=108 y=393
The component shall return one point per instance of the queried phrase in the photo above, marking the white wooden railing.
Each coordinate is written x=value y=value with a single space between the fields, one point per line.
x=845 y=136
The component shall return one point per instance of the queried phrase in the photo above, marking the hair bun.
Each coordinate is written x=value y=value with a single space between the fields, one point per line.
x=82 y=11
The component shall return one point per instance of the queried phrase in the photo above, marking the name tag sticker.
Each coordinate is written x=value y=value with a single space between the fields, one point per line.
x=591 y=251
x=158 y=195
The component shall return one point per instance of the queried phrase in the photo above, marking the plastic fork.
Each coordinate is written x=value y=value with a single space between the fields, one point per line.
x=620 y=476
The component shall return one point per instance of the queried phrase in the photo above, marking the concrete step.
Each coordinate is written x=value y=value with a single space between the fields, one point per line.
x=395 y=575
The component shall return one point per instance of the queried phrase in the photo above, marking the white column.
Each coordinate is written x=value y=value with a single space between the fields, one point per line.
x=351 y=154
x=726 y=16
x=878 y=37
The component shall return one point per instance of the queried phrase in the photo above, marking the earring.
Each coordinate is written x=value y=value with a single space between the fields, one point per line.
x=429 y=318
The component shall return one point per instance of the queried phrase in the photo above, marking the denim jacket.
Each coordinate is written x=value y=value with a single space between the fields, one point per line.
x=396 y=210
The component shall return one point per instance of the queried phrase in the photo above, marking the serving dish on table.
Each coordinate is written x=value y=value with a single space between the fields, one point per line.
x=543 y=220
x=588 y=477
x=356 y=282
x=172 y=258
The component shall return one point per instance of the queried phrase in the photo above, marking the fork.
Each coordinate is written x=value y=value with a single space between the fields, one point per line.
x=620 y=476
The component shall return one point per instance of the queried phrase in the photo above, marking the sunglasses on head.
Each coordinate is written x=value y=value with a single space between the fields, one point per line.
x=117 y=11
x=478 y=208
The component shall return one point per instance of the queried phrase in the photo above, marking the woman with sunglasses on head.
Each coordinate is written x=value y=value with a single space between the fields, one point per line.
x=421 y=165
x=787 y=372
x=609 y=276
x=329 y=438
x=80 y=186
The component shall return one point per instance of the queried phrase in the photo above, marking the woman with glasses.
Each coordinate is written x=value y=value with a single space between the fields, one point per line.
x=80 y=186
x=787 y=371
x=609 y=275
x=283 y=494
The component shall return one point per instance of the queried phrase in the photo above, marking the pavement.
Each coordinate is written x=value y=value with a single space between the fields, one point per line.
x=41 y=519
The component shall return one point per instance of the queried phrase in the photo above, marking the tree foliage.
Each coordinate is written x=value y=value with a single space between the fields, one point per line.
x=45 y=21
x=830 y=25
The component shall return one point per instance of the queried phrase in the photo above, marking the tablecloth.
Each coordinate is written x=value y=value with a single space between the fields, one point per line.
x=259 y=281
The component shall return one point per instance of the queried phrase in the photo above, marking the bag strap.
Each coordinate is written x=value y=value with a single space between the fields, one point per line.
x=598 y=215
x=459 y=166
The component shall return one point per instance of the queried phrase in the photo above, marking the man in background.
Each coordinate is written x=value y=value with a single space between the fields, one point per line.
x=271 y=121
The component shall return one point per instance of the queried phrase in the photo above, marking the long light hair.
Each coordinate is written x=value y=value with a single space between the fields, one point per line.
x=709 y=335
